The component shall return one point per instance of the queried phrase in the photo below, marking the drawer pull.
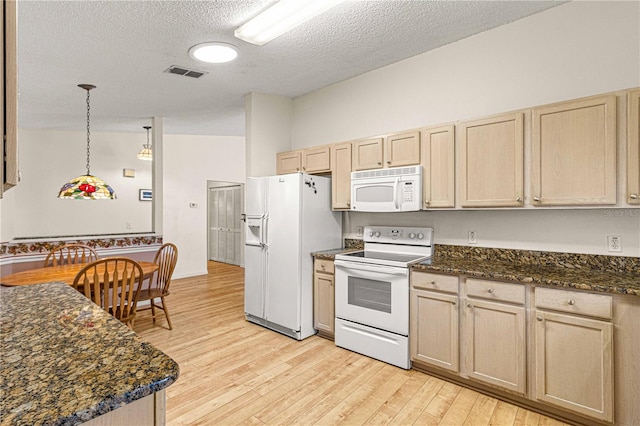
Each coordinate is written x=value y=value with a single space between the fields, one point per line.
x=433 y=282
x=490 y=290
x=633 y=196
x=571 y=302
x=469 y=305
x=536 y=199
x=453 y=302
x=539 y=318
x=323 y=266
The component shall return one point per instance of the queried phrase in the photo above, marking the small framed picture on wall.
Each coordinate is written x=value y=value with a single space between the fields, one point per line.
x=146 y=195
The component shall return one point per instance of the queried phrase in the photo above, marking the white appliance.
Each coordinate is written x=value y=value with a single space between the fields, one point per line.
x=397 y=189
x=372 y=292
x=287 y=218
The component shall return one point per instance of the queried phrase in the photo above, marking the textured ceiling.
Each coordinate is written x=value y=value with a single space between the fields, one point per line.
x=124 y=47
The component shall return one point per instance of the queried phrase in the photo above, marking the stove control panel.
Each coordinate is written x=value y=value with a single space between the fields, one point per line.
x=399 y=235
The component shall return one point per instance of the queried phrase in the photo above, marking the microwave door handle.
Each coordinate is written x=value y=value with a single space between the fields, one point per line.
x=397 y=194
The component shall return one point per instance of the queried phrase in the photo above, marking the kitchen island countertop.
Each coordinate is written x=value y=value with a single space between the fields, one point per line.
x=65 y=360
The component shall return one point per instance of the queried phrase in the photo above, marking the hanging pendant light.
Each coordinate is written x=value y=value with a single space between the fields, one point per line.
x=87 y=187
x=145 y=153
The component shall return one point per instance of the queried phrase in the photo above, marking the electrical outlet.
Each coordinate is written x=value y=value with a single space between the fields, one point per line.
x=614 y=244
x=128 y=225
x=359 y=231
x=472 y=237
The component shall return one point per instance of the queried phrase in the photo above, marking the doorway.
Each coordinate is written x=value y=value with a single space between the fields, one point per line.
x=225 y=204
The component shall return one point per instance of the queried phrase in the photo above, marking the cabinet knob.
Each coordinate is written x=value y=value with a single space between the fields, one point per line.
x=379 y=163
x=469 y=305
x=519 y=199
x=536 y=199
x=348 y=203
x=426 y=202
x=388 y=161
x=571 y=302
x=432 y=283
x=539 y=318
x=453 y=302
x=633 y=196
x=304 y=168
x=490 y=290
x=323 y=266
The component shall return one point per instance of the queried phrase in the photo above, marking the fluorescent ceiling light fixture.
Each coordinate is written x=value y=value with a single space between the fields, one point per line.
x=283 y=16
x=214 y=52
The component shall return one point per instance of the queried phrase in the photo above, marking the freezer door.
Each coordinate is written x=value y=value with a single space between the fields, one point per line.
x=256 y=193
x=254 y=280
x=283 y=246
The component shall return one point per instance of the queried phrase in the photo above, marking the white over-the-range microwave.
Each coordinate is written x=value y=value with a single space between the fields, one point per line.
x=397 y=189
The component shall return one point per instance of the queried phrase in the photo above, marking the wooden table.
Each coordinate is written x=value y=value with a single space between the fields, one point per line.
x=63 y=273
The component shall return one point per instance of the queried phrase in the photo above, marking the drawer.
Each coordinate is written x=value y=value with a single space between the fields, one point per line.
x=575 y=302
x=324 y=265
x=439 y=282
x=495 y=290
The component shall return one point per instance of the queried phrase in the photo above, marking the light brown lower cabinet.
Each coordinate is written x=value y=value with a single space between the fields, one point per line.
x=571 y=354
x=574 y=353
x=323 y=298
x=434 y=332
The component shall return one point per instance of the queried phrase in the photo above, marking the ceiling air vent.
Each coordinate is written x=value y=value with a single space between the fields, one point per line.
x=173 y=69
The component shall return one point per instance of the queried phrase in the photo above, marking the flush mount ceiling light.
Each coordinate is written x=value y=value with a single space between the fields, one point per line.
x=283 y=16
x=145 y=153
x=87 y=187
x=214 y=52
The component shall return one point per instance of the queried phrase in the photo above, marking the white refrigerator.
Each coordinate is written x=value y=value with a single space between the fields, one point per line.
x=287 y=218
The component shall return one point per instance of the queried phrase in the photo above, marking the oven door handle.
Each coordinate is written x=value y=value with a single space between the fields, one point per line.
x=367 y=267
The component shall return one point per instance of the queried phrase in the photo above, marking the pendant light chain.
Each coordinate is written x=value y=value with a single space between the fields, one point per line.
x=88 y=133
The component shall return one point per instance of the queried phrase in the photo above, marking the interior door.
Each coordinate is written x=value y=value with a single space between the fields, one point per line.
x=225 y=230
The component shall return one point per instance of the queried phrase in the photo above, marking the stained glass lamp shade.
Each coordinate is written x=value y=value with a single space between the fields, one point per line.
x=87 y=187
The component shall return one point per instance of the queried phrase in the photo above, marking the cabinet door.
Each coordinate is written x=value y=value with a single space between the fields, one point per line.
x=367 y=154
x=403 y=149
x=495 y=342
x=341 y=176
x=438 y=165
x=491 y=161
x=288 y=162
x=574 y=363
x=9 y=91
x=323 y=303
x=433 y=334
x=573 y=157
x=316 y=160
x=633 y=147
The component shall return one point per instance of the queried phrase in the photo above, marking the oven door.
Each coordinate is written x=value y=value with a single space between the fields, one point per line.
x=373 y=295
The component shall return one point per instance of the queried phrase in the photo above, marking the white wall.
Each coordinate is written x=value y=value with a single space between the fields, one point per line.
x=268 y=131
x=189 y=162
x=573 y=50
x=48 y=159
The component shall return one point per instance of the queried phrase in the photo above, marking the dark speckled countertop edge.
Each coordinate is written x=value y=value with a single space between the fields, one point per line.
x=523 y=266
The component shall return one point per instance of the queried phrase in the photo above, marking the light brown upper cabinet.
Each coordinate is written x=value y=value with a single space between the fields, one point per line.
x=9 y=91
x=491 y=161
x=402 y=149
x=437 y=152
x=288 y=162
x=316 y=160
x=633 y=147
x=341 y=176
x=367 y=154
x=573 y=157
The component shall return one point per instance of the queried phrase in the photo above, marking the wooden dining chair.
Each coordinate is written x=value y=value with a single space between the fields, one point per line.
x=70 y=254
x=166 y=259
x=114 y=284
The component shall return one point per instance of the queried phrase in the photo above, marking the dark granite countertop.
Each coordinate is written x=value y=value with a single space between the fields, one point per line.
x=64 y=360
x=329 y=254
x=621 y=282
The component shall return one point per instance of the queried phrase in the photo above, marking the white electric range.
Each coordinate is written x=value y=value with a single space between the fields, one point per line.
x=372 y=292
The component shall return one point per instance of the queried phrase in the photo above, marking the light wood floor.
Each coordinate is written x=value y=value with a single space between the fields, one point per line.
x=235 y=372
